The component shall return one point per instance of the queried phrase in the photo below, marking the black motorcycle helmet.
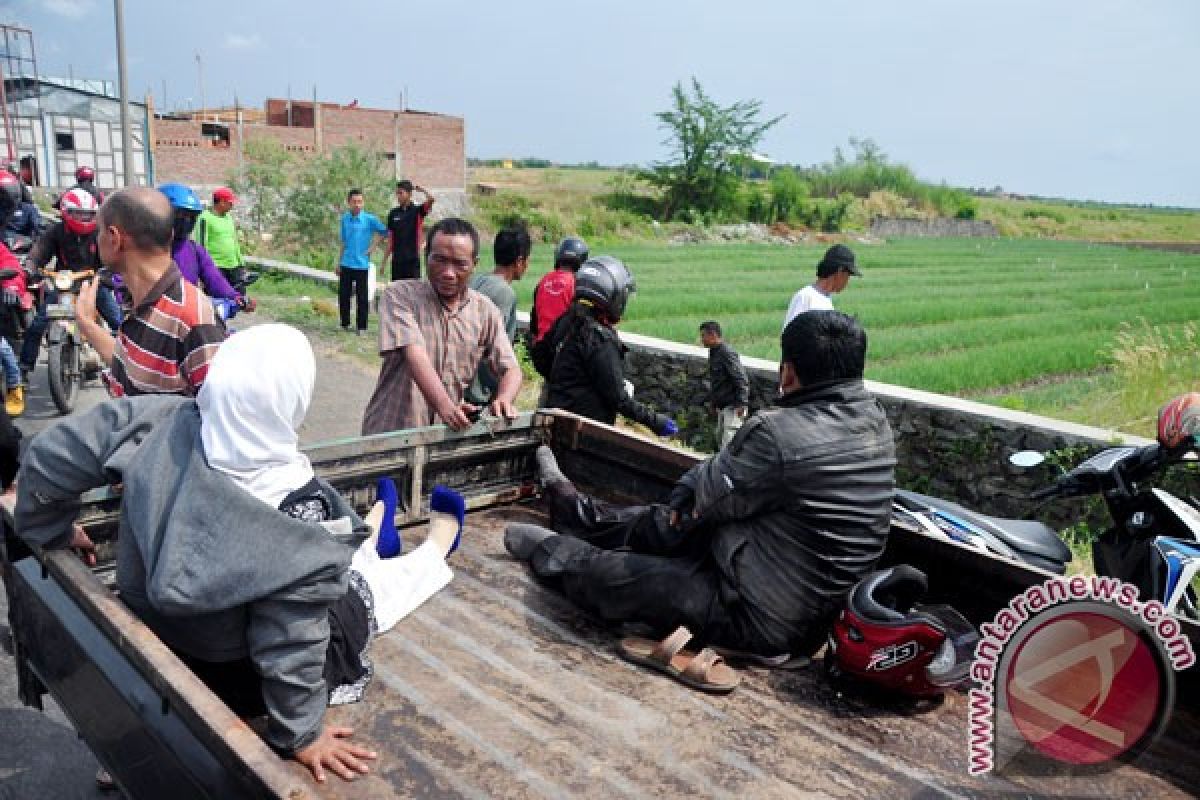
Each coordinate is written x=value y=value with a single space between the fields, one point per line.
x=10 y=196
x=606 y=284
x=571 y=252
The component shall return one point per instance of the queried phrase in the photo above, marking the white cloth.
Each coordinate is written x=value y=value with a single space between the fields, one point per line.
x=255 y=396
x=400 y=585
x=810 y=298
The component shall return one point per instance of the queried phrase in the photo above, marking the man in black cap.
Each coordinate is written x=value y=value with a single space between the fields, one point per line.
x=833 y=273
x=757 y=545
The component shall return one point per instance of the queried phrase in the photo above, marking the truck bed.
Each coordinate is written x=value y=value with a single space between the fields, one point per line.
x=500 y=688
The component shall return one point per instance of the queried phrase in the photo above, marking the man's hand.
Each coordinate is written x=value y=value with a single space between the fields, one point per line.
x=681 y=502
x=337 y=271
x=740 y=412
x=82 y=544
x=503 y=408
x=334 y=750
x=458 y=417
x=247 y=303
x=85 y=304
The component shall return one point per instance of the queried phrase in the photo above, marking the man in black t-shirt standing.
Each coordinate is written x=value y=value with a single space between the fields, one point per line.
x=404 y=223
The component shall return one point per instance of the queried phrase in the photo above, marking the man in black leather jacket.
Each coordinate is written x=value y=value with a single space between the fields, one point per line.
x=759 y=543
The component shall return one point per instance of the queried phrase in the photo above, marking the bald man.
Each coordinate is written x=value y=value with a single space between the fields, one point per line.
x=165 y=345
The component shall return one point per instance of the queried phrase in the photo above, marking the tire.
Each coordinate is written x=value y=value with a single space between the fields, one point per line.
x=62 y=366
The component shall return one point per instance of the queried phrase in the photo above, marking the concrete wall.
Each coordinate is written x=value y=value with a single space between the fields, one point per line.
x=947 y=447
x=889 y=227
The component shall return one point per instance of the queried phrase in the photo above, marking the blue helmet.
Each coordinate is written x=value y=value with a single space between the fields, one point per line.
x=182 y=197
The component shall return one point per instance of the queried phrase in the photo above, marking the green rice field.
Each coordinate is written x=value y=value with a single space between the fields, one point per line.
x=1000 y=320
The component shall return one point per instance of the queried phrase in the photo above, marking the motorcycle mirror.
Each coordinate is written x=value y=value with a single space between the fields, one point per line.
x=1026 y=458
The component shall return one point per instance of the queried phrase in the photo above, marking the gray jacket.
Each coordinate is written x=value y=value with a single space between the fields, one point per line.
x=215 y=572
x=798 y=506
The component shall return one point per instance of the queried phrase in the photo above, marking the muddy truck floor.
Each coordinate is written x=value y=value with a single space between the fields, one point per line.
x=499 y=687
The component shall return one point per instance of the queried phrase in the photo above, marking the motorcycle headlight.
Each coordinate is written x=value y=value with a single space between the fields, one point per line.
x=64 y=282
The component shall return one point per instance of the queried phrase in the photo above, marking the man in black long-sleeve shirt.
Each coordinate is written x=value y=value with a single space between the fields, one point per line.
x=728 y=386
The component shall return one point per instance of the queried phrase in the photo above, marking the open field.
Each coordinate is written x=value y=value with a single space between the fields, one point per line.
x=571 y=195
x=1026 y=324
x=1001 y=320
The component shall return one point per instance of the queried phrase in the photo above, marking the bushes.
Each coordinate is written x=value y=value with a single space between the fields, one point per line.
x=1045 y=213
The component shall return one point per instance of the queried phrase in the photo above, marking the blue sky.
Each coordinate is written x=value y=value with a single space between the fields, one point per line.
x=1090 y=99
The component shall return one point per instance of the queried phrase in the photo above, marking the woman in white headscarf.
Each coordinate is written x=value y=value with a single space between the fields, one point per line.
x=232 y=550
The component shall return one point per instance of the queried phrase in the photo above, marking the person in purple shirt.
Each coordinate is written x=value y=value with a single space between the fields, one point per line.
x=193 y=260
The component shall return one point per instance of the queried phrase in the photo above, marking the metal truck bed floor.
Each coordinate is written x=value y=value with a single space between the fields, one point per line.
x=498 y=687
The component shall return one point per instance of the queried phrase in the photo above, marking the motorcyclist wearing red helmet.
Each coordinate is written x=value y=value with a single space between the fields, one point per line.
x=71 y=244
x=14 y=394
x=85 y=178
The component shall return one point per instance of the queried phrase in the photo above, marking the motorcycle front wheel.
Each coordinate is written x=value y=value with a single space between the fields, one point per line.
x=62 y=364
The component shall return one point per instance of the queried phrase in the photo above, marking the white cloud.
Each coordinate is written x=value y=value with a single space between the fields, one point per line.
x=236 y=41
x=71 y=9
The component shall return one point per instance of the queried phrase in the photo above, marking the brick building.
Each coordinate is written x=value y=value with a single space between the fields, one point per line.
x=202 y=150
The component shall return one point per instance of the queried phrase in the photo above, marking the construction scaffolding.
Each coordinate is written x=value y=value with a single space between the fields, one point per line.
x=53 y=126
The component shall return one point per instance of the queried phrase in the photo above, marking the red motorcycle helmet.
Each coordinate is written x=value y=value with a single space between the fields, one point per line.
x=78 y=209
x=884 y=639
x=1179 y=422
x=85 y=174
x=10 y=196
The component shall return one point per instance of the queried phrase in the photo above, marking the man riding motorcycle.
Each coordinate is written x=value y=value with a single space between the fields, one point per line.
x=71 y=243
x=192 y=259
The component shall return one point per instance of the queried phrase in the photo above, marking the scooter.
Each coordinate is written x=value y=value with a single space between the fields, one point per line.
x=1154 y=541
x=1026 y=540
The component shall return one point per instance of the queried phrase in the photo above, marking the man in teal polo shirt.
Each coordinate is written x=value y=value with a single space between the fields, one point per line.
x=361 y=232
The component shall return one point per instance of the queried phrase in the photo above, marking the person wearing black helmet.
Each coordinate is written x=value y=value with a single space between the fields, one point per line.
x=757 y=545
x=588 y=372
x=553 y=294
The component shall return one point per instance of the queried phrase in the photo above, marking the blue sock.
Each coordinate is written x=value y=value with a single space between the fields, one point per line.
x=447 y=501
x=388 y=545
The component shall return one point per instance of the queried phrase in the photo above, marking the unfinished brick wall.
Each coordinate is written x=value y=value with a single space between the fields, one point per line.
x=432 y=146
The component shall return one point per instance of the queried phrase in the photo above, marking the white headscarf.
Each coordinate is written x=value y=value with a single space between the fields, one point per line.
x=253 y=400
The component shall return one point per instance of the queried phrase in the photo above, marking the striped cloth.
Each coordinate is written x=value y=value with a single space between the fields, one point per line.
x=456 y=340
x=166 y=344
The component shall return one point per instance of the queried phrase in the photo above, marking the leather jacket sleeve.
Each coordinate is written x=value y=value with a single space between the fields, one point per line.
x=743 y=480
x=609 y=370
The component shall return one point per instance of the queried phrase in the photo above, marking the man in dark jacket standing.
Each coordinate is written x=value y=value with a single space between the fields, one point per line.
x=758 y=544
x=728 y=386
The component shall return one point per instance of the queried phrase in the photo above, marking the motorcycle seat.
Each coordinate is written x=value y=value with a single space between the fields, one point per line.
x=1026 y=536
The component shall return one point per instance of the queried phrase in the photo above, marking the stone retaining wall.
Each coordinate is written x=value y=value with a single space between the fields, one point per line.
x=893 y=228
x=947 y=447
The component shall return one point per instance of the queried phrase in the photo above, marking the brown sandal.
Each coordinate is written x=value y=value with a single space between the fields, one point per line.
x=705 y=670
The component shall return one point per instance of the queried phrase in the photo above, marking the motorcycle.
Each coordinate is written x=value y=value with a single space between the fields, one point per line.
x=70 y=359
x=1026 y=540
x=1154 y=541
x=228 y=309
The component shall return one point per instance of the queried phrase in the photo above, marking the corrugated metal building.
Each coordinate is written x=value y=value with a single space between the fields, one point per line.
x=59 y=124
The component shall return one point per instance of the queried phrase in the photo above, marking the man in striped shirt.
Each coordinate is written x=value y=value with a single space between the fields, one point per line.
x=166 y=343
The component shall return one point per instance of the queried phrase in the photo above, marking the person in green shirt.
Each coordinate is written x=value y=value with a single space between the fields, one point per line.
x=511 y=253
x=216 y=232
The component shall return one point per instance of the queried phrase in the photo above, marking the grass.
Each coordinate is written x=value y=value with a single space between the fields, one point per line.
x=1028 y=324
x=1025 y=324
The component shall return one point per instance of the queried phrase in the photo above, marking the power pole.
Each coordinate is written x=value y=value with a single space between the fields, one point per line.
x=200 y=73
x=123 y=89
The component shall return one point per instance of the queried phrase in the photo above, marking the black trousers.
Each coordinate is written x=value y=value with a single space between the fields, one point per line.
x=353 y=281
x=627 y=564
x=406 y=268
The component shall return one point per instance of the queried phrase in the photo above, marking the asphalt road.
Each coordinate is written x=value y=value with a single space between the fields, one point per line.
x=41 y=757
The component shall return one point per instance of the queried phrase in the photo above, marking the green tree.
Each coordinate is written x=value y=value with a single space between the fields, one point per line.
x=319 y=198
x=705 y=139
x=263 y=182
